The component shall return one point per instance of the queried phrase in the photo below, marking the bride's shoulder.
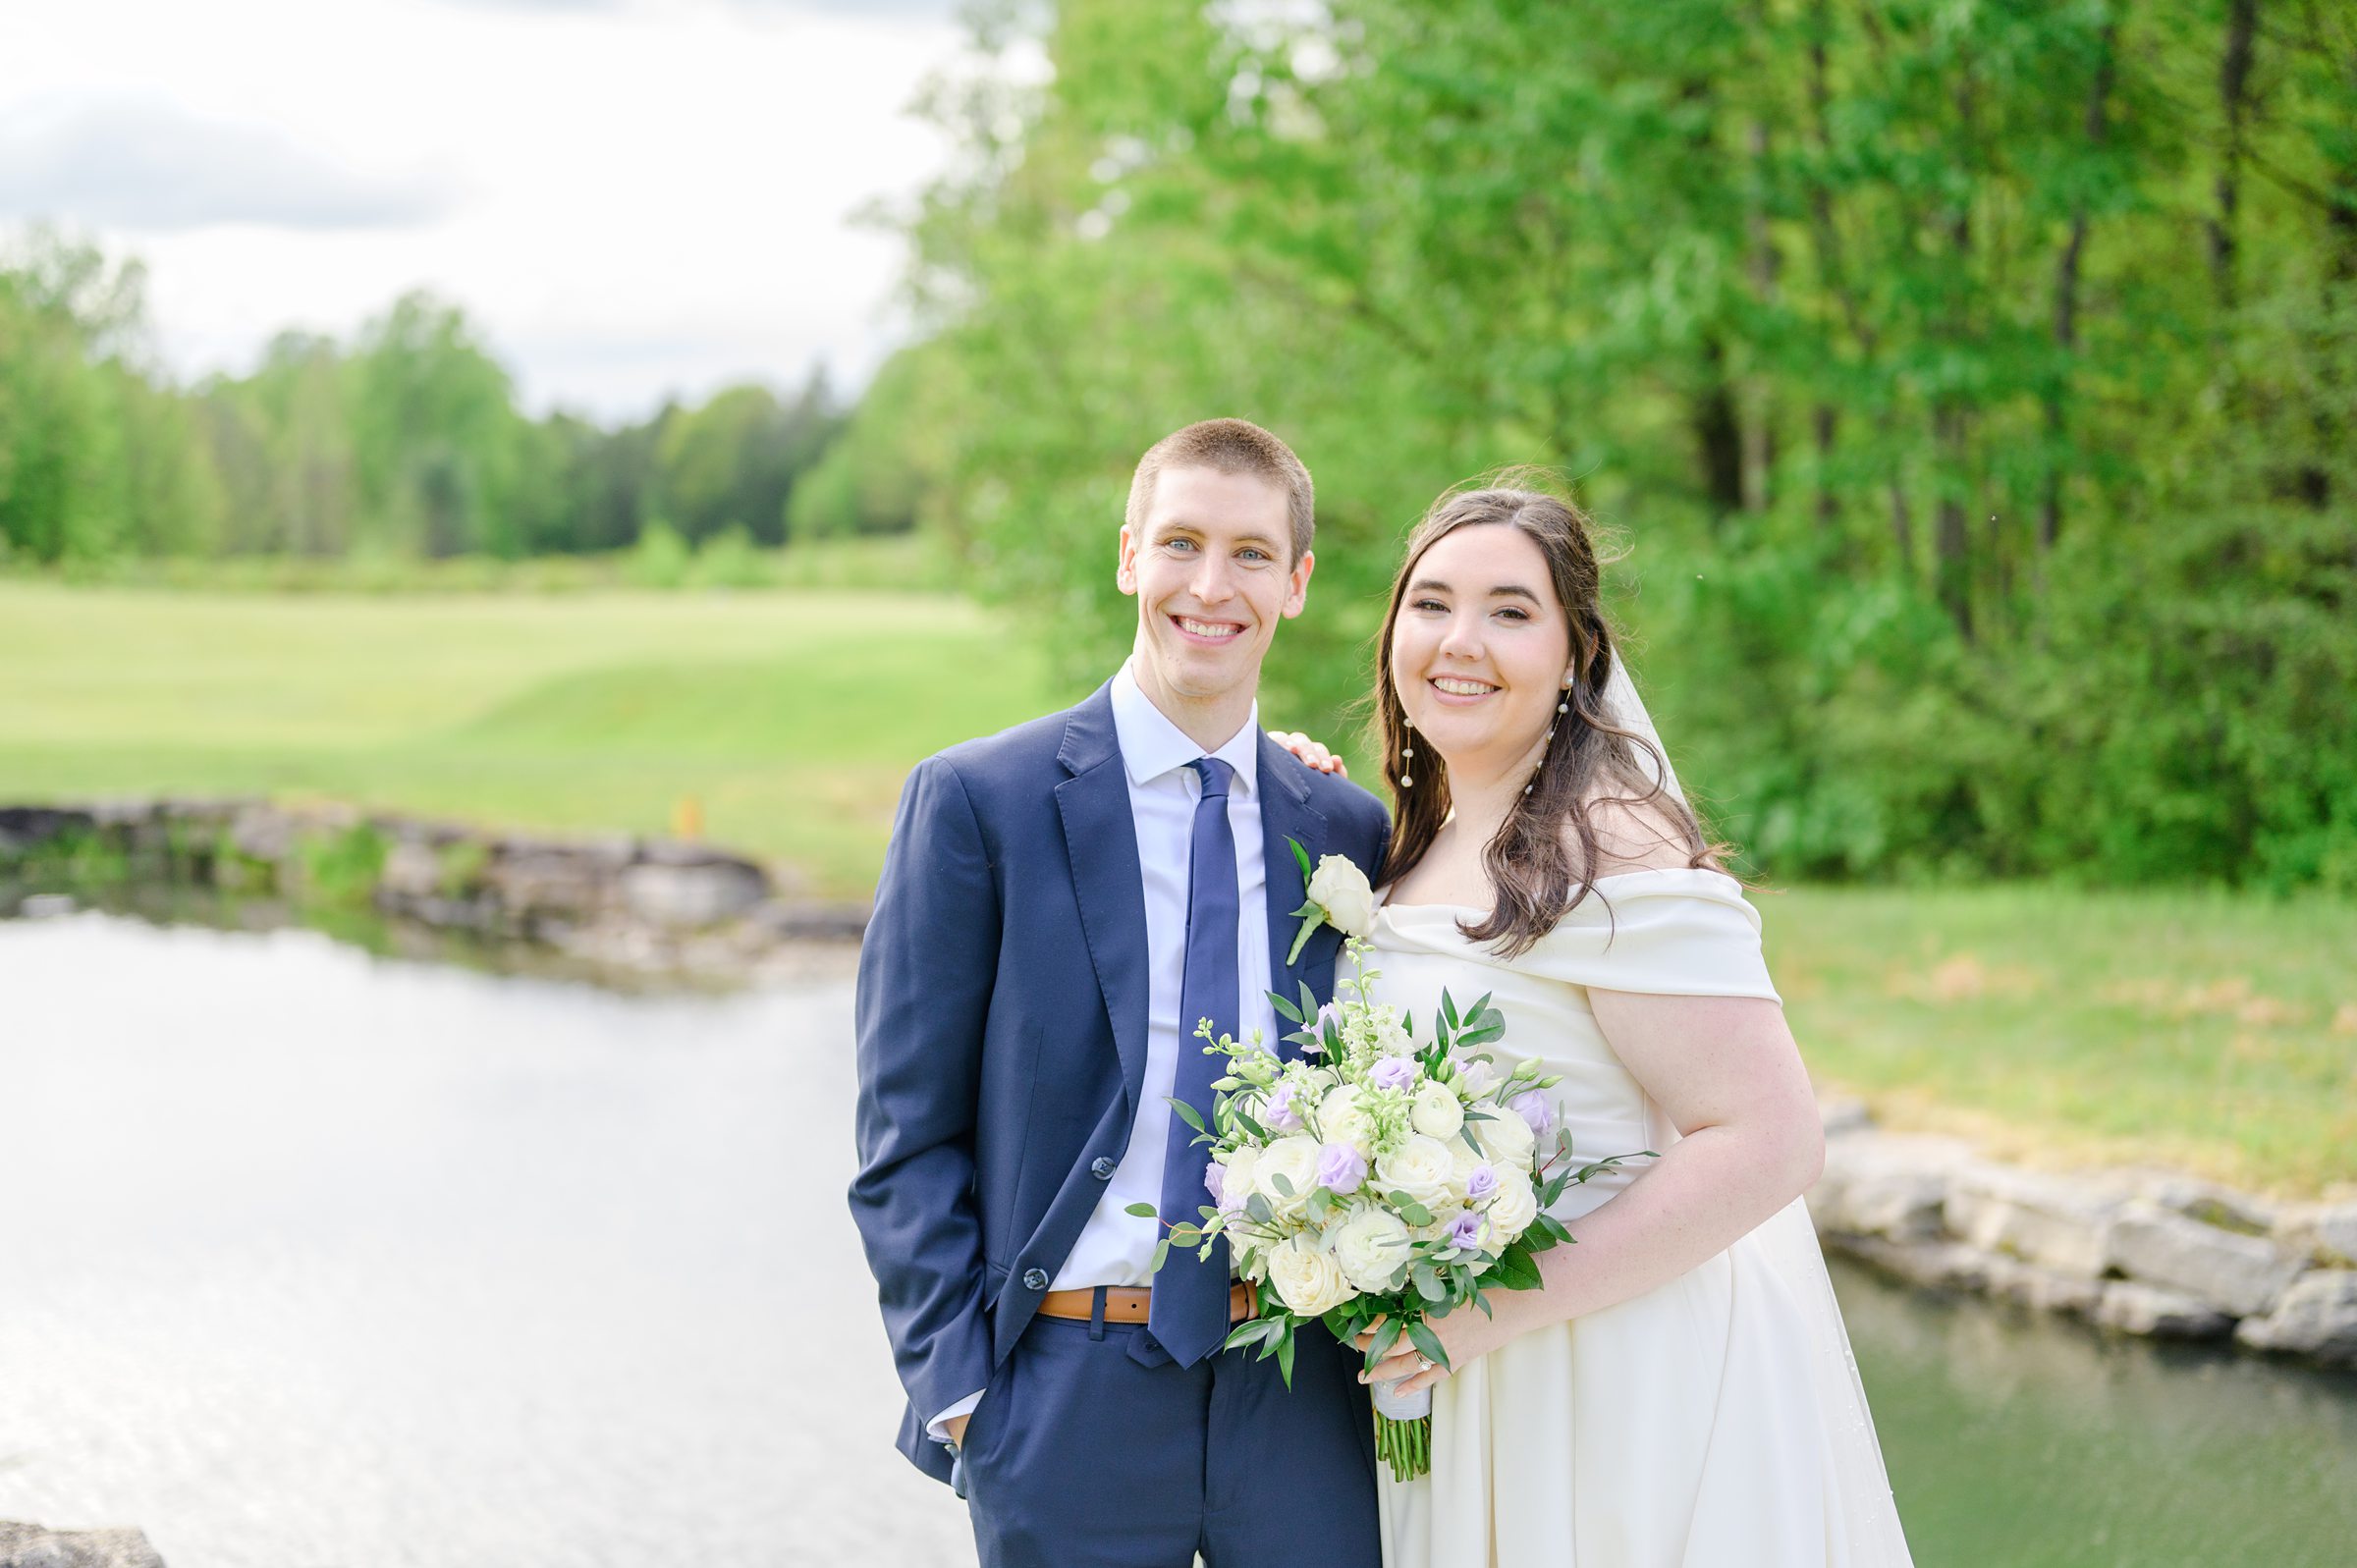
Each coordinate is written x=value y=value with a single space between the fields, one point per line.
x=1635 y=835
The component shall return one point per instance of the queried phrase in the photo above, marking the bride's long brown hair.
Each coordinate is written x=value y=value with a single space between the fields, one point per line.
x=1591 y=760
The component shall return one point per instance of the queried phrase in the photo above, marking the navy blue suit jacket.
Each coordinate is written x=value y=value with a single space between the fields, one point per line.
x=1002 y=1024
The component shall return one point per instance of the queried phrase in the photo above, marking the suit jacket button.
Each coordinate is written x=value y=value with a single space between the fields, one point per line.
x=1035 y=1279
x=1102 y=1169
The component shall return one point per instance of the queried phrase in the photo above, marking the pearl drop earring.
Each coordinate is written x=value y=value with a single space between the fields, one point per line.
x=1407 y=755
x=1548 y=739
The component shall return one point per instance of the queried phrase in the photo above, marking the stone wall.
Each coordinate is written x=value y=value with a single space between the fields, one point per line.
x=639 y=905
x=2140 y=1251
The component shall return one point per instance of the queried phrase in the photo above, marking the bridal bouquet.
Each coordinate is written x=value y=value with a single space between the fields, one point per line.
x=1375 y=1181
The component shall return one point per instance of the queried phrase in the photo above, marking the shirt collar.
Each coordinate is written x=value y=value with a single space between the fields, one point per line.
x=1151 y=745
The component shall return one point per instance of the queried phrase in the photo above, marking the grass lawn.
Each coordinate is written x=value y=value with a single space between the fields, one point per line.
x=2212 y=1032
x=789 y=718
x=2208 y=1031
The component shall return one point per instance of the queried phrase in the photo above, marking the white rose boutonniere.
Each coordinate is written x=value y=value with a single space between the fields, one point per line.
x=1339 y=895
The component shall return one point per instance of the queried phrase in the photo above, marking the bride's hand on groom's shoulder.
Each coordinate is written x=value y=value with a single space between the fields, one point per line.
x=1310 y=752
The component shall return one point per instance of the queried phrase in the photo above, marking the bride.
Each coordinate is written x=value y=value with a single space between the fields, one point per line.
x=1681 y=1391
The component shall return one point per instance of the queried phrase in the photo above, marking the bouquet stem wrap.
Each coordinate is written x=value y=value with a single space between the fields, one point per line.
x=1402 y=1430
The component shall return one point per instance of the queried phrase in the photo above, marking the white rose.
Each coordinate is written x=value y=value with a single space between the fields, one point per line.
x=1420 y=1168
x=1296 y=1159
x=1238 y=1183
x=1512 y=1208
x=1341 y=890
x=1371 y=1245
x=1308 y=1280
x=1435 y=1113
x=1505 y=1138
x=1341 y=1121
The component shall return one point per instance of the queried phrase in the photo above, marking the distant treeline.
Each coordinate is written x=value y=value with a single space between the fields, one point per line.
x=405 y=442
x=1975 y=380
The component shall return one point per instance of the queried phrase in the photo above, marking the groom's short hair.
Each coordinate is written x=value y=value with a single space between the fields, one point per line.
x=1230 y=446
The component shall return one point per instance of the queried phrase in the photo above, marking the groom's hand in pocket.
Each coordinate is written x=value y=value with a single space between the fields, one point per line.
x=956 y=1428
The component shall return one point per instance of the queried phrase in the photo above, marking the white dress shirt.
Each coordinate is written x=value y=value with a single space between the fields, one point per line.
x=1116 y=1247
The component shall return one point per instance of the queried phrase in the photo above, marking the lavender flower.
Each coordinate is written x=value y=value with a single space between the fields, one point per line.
x=1479 y=1184
x=1330 y=1013
x=1341 y=1168
x=1279 y=1112
x=1467 y=1230
x=1215 y=1183
x=1532 y=1106
x=1393 y=1072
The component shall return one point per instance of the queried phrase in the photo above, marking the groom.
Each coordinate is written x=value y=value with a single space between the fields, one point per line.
x=1061 y=904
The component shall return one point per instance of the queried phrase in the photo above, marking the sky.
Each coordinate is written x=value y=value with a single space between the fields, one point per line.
x=630 y=198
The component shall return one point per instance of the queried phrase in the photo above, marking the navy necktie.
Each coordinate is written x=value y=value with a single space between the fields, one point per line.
x=1188 y=1309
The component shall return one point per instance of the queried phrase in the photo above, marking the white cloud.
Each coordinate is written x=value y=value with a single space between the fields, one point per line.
x=148 y=166
x=630 y=199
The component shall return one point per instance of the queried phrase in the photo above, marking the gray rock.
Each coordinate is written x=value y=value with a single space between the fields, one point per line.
x=2043 y=1289
x=2055 y=1221
x=1844 y=1116
x=32 y=1546
x=2316 y=1316
x=1948 y=1264
x=798 y=920
x=2206 y=1202
x=2328 y=1231
x=548 y=880
x=24 y=826
x=2237 y=1274
x=1884 y=1184
x=46 y=905
x=2162 y=1314
x=412 y=870
x=263 y=833
x=682 y=896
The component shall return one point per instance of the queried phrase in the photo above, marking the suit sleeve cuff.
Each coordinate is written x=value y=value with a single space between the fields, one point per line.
x=938 y=1428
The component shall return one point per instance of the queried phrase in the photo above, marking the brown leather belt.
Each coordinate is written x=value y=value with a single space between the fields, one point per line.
x=1128 y=1303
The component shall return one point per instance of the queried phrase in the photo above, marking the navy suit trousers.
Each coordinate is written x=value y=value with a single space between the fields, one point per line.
x=1093 y=1449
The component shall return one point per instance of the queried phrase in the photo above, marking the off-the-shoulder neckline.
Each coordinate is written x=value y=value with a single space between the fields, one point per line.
x=1384 y=904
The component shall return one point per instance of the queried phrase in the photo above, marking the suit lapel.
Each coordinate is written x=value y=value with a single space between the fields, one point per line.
x=1286 y=813
x=1100 y=838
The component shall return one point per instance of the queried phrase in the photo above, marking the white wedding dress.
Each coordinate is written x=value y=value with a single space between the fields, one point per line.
x=1715 y=1422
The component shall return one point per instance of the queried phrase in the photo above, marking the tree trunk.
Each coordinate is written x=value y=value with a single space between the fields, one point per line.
x=1718 y=436
x=2067 y=300
x=2233 y=78
x=1826 y=420
x=1765 y=268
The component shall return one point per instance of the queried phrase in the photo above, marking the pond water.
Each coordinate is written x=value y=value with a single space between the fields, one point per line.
x=311 y=1259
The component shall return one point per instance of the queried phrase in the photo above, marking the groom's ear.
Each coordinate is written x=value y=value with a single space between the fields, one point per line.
x=1124 y=568
x=1296 y=591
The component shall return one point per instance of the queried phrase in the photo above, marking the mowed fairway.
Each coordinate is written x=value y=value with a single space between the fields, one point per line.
x=789 y=718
